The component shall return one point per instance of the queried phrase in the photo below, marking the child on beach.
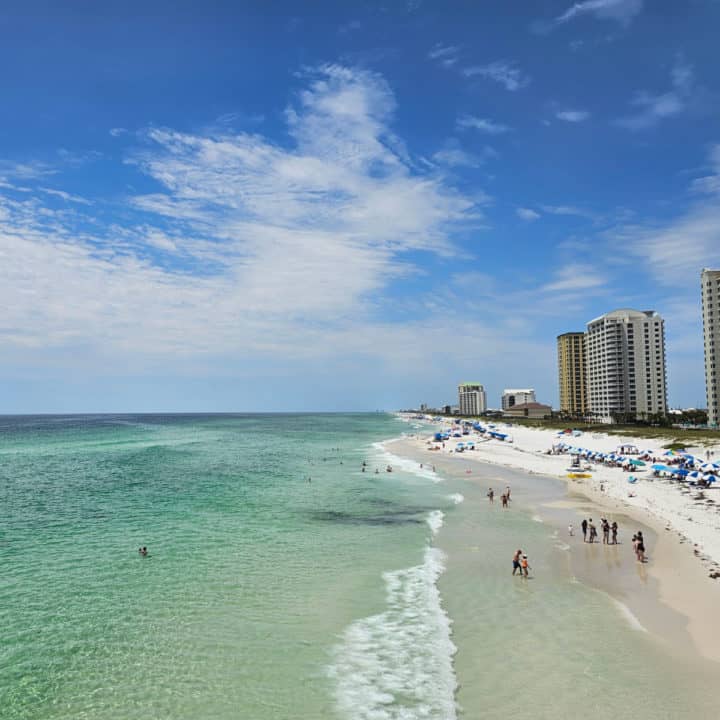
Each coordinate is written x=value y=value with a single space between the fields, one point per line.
x=524 y=565
x=570 y=530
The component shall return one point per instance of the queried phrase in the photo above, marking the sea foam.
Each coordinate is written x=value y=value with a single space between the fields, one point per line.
x=405 y=465
x=435 y=520
x=398 y=665
x=457 y=498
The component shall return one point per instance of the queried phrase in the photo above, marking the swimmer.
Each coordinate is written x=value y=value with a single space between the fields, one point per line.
x=143 y=551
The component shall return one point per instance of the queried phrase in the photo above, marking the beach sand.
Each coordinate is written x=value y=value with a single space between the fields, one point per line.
x=671 y=596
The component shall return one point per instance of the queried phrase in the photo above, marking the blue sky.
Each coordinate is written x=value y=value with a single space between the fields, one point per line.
x=327 y=206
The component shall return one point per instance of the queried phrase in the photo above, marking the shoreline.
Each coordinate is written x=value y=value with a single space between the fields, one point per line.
x=674 y=598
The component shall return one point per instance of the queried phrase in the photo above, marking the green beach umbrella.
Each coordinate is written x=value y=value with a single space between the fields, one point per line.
x=638 y=463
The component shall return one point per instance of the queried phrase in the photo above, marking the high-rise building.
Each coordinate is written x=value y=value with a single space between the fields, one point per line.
x=710 y=284
x=471 y=399
x=510 y=398
x=625 y=351
x=572 y=373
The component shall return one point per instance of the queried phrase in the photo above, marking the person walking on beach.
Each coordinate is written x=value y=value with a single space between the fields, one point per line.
x=614 y=529
x=491 y=495
x=516 y=561
x=584 y=525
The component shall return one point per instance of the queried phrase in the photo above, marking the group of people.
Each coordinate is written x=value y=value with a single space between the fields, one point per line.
x=589 y=531
x=504 y=498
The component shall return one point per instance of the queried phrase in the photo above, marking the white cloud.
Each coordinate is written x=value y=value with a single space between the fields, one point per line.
x=575 y=276
x=482 y=124
x=710 y=183
x=446 y=55
x=656 y=107
x=247 y=247
x=500 y=71
x=623 y=11
x=456 y=157
x=566 y=210
x=527 y=214
x=573 y=116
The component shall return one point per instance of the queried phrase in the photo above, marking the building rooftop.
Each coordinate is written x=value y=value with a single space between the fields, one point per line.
x=530 y=406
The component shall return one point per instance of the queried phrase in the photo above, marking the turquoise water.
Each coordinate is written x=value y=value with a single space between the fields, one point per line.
x=283 y=582
x=255 y=575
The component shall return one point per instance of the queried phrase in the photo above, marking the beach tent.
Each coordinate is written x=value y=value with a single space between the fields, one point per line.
x=638 y=463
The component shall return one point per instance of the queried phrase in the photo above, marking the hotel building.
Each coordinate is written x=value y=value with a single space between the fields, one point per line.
x=710 y=284
x=625 y=352
x=510 y=398
x=572 y=373
x=471 y=399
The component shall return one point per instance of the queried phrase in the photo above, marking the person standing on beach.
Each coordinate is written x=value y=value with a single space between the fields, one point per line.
x=593 y=531
x=640 y=547
x=491 y=495
x=570 y=530
x=584 y=525
x=507 y=493
x=606 y=531
x=614 y=528
x=516 y=561
x=504 y=500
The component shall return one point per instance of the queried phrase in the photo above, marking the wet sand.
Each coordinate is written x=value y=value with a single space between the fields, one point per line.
x=669 y=597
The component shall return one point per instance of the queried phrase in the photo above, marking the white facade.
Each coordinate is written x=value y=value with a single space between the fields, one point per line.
x=710 y=284
x=625 y=352
x=471 y=399
x=511 y=397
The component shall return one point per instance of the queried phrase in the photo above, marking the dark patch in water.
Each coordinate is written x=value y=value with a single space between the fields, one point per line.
x=402 y=517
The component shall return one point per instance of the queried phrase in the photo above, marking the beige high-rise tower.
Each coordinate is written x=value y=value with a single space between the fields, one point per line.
x=710 y=285
x=572 y=373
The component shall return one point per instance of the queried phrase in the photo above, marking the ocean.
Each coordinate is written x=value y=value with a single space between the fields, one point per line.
x=282 y=581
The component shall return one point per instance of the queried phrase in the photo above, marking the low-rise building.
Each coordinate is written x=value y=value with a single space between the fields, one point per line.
x=534 y=410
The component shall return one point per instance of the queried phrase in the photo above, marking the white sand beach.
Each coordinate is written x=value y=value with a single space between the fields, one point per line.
x=687 y=523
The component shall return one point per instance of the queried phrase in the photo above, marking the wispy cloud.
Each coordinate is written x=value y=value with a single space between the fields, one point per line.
x=575 y=276
x=622 y=11
x=710 y=183
x=482 y=124
x=501 y=71
x=245 y=245
x=446 y=55
x=675 y=250
x=527 y=214
x=573 y=116
x=656 y=107
x=567 y=210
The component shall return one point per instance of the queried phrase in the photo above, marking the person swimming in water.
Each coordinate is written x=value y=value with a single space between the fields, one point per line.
x=143 y=551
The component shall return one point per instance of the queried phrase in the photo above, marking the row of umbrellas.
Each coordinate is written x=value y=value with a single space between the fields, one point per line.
x=704 y=471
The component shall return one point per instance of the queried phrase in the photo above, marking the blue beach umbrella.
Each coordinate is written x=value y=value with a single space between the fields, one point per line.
x=658 y=466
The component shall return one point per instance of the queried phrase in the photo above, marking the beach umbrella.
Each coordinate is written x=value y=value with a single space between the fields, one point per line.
x=658 y=466
x=695 y=475
x=637 y=463
x=710 y=467
x=681 y=472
